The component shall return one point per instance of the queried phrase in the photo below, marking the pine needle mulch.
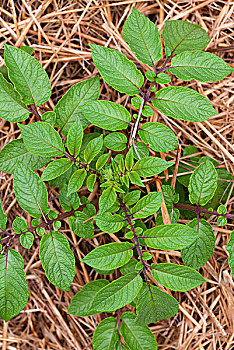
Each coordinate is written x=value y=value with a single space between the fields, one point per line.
x=60 y=32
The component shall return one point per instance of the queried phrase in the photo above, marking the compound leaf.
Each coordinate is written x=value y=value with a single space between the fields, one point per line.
x=42 y=139
x=159 y=137
x=109 y=256
x=82 y=301
x=12 y=108
x=148 y=205
x=68 y=108
x=199 y=65
x=107 y=115
x=28 y=76
x=15 y=151
x=198 y=253
x=203 y=183
x=118 y=293
x=176 y=277
x=106 y=335
x=170 y=237
x=135 y=335
x=142 y=37
x=179 y=36
x=183 y=103
x=57 y=259
x=13 y=286
x=117 y=70
x=30 y=191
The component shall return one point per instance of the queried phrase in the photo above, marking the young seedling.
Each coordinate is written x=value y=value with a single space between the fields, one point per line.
x=116 y=167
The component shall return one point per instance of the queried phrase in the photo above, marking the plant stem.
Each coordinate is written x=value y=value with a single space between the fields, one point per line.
x=200 y=210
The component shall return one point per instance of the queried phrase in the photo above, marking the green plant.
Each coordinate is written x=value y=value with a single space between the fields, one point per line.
x=124 y=169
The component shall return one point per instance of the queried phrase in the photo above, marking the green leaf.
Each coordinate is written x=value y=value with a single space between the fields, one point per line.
x=199 y=65
x=106 y=335
x=107 y=199
x=141 y=149
x=30 y=191
x=170 y=237
x=107 y=115
x=12 y=109
x=230 y=249
x=221 y=221
x=117 y=70
x=179 y=36
x=82 y=301
x=81 y=228
x=136 y=336
x=159 y=137
x=91 y=181
x=176 y=277
x=163 y=78
x=26 y=240
x=116 y=141
x=154 y=305
x=150 y=166
x=142 y=37
x=109 y=256
x=129 y=159
x=56 y=168
x=148 y=205
x=27 y=49
x=68 y=108
x=13 y=286
x=132 y=197
x=15 y=151
x=4 y=72
x=49 y=117
x=42 y=139
x=57 y=259
x=28 y=76
x=68 y=202
x=109 y=223
x=198 y=253
x=75 y=137
x=3 y=218
x=183 y=103
x=93 y=148
x=118 y=293
x=19 y=225
x=135 y=178
x=203 y=183
x=136 y=100
x=102 y=161
x=147 y=111
x=129 y=267
x=76 y=181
